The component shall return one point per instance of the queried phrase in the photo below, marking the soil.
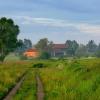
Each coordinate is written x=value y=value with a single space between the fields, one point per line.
x=40 y=91
x=14 y=90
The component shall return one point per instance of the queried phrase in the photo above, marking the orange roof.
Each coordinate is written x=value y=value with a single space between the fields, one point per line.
x=31 y=53
x=31 y=50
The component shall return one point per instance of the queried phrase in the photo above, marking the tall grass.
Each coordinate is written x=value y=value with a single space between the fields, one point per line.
x=75 y=80
x=28 y=89
x=10 y=73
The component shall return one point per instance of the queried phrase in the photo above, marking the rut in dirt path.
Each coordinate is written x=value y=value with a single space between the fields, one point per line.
x=14 y=90
x=40 y=91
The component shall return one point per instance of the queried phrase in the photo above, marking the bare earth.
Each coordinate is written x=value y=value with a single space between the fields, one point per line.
x=40 y=92
x=14 y=90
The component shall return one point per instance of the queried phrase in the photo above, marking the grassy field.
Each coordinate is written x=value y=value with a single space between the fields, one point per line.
x=10 y=73
x=69 y=79
x=72 y=80
x=28 y=88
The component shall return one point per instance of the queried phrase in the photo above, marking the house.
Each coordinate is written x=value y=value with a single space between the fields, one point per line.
x=59 y=50
x=31 y=53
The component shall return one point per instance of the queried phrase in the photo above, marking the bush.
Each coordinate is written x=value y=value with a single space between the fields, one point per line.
x=98 y=53
x=22 y=57
x=44 y=55
x=39 y=65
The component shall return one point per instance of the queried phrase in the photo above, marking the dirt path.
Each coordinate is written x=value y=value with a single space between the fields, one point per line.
x=40 y=91
x=14 y=90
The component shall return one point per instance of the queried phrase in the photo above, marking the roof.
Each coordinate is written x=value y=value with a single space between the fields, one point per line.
x=31 y=50
x=59 y=46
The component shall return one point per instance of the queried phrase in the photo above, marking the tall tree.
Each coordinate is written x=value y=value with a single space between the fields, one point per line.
x=98 y=51
x=27 y=43
x=45 y=47
x=8 y=36
x=72 y=47
x=42 y=44
x=81 y=51
x=92 y=47
x=23 y=45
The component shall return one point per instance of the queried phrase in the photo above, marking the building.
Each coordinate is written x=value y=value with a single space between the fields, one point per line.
x=59 y=50
x=31 y=53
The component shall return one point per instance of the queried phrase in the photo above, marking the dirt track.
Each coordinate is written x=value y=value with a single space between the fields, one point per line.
x=14 y=90
x=40 y=91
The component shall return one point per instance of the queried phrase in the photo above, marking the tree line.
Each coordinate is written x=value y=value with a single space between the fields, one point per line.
x=74 y=49
x=9 y=42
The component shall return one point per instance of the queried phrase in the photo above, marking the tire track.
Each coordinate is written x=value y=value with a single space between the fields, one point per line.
x=40 y=91
x=15 y=89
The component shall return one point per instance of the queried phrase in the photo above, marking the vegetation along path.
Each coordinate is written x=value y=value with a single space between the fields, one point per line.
x=40 y=91
x=15 y=89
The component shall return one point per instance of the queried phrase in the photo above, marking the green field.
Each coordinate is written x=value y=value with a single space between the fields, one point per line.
x=64 y=79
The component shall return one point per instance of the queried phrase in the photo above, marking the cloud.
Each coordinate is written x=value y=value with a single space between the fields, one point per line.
x=91 y=29
x=83 y=28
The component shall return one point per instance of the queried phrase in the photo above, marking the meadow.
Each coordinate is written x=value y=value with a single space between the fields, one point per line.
x=72 y=80
x=63 y=79
x=10 y=74
x=28 y=88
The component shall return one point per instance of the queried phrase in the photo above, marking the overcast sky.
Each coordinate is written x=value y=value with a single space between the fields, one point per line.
x=58 y=20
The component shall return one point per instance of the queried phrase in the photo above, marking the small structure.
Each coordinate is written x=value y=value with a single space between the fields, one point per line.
x=59 y=50
x=31 y=53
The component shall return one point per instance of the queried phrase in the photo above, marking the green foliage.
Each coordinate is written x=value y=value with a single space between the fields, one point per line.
x=45 y=55
x=91 y=46
x=98 y=53
x=71 y=79
x=45 y=47
x=22 y=57
x=42 y=44
x=72 y=47
x=76 y=80
x=39 y=65
x=10 y=73
x=8 y=36
x=81 y=51
x=28 y=88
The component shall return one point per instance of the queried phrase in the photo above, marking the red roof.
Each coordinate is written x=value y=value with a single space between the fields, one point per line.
x=31 y=50
x=59 y=46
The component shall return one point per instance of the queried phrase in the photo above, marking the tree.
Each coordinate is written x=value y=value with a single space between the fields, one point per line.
x=91 y=46
x=98 y=51
x=20 y=49
x=27 y=43
x=8 y=36
x=45 y=55
x=42 y=44
x=45 y=47
x=72 y=47
x=23 y=45
x=81 y=51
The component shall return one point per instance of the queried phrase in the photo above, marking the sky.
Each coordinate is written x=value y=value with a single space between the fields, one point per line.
x=57 y=20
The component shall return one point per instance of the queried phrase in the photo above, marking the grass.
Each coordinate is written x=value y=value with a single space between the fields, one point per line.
x=10 y=73
x=64 y=79
x=28 y=88
x=73 y=80
x=12 y=57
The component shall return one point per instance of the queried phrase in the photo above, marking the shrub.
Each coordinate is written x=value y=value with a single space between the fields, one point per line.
x=44 y=55
x=39 y=65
